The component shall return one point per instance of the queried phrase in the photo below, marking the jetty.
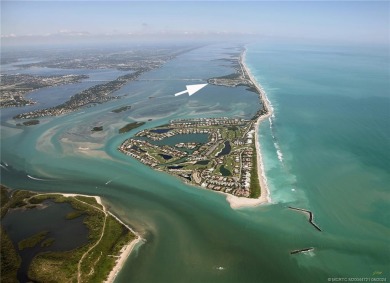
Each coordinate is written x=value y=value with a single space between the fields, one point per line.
x=302 y=250
x=310 y=214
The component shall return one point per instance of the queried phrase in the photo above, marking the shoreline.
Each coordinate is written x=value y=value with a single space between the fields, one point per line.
x=239 y=202
x=123 y=256
x=126 y=249
x=124 y=252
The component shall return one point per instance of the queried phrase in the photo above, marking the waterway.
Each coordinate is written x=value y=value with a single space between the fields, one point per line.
x=51 y=217
x=325 y=150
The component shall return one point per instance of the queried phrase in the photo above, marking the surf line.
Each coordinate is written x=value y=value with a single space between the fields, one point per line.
x=310 y=214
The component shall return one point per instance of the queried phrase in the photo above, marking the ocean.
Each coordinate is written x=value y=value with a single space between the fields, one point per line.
x=325 y=149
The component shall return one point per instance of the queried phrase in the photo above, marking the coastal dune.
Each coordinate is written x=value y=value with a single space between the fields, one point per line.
x=238 y=202
x=126 y=250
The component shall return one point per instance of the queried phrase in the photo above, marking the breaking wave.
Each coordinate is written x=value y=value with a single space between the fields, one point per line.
x=275 y=141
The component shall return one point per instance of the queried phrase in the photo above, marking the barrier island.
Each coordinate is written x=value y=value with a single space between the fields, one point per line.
x=220 y=154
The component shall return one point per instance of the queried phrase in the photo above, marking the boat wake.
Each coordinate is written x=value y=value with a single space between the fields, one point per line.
x=36 y=179
x=4 y=167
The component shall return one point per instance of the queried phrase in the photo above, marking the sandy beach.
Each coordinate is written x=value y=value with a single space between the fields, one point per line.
x=124 y=254
x=237 y=202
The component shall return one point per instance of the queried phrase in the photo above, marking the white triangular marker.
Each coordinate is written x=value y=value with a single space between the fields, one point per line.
x=191 y=89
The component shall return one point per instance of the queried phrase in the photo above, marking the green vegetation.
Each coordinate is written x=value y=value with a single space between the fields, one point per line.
x=233 y=76
x=255 y=185
x=115 y=237
x=32 y=241
x=90 y=200
x=74 y=214
x=97 y=129
x=47 y=243
x=57 y=266
x=9 y=259
x=130 y=127
x=31 y=122
x=17 y=200
x=4 y=196
x=63 y=266
x=121 y=109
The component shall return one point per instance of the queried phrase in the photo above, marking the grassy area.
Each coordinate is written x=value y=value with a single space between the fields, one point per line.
x=115 y=237
x=17 y=200
x=74 y=214
x=130 y=127
x=32 y=241
x=55 y=266
x=97 y=264
x=47 y=243
x=9 y=259
x=90 y=200
x=255 y=189
x=4 y=196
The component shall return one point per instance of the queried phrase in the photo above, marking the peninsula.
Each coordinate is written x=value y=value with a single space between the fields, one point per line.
x=105 y=235
x=135 y=62
x=14 y=88
x=94 y=95
x=220 y=154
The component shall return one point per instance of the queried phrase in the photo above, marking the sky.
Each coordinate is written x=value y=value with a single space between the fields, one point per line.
x=335 y=21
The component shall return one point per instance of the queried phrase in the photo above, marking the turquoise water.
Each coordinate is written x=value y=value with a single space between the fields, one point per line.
x=327 y=151
x=331 y=128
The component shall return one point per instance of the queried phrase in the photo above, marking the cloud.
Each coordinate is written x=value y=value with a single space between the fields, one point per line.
x=72 y=33
x=11 y=35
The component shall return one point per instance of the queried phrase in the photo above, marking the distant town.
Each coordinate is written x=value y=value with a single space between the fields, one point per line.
x=136 y=61
x=15 y=87
x=97 y=94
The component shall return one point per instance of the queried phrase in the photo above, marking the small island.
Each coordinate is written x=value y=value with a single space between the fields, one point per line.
x=130 y=127
x=107 y=243
x=97 y=129
x=29 y=123
x=122 y=109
